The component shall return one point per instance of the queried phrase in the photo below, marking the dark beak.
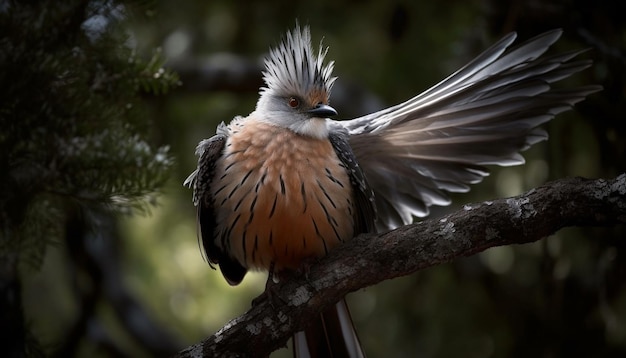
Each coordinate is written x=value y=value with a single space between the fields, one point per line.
x=322 y=111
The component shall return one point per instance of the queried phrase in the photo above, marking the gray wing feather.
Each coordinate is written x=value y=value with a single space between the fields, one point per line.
x=208 y=152
x=365 y=209
x=483 y=114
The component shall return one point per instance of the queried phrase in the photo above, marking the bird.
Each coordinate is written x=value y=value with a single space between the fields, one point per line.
x=287 y=183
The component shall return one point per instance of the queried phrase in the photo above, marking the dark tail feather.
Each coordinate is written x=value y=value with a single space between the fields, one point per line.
x=331 y=335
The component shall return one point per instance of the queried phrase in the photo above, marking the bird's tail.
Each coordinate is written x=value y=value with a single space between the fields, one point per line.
x=331 y=335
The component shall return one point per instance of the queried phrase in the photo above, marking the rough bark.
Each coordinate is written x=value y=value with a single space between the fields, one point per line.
x=369 y=259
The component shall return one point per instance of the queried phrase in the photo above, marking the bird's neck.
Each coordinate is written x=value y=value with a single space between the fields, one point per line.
x=312 y=127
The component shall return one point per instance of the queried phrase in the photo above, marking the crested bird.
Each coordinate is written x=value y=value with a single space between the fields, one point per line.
x=287 y=183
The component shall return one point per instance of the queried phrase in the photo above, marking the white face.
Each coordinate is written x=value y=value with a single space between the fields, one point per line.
x=284 y=112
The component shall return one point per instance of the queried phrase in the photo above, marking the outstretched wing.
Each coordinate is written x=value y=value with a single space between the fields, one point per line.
x=485 y=113
x=208 y=152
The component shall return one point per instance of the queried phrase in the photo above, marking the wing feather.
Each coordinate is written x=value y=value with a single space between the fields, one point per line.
x=486 y=113
x=365 y=209
x=209 y=151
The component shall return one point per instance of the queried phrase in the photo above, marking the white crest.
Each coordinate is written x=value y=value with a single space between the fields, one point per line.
x=292 y=68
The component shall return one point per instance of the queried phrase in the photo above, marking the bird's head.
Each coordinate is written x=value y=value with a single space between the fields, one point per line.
x=298 y=86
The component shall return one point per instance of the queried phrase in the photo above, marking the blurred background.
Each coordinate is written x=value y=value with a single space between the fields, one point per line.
x=101 y=259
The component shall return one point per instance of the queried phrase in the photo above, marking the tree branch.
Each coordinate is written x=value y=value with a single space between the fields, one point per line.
x=357 y=264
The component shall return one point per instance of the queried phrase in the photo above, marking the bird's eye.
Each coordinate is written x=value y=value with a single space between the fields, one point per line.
x=293 y=102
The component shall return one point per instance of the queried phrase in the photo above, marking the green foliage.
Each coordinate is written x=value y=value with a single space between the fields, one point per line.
x=153 y=77
x=71 y=118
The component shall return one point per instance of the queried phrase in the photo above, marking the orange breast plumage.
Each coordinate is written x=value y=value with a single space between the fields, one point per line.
x=279 y=197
